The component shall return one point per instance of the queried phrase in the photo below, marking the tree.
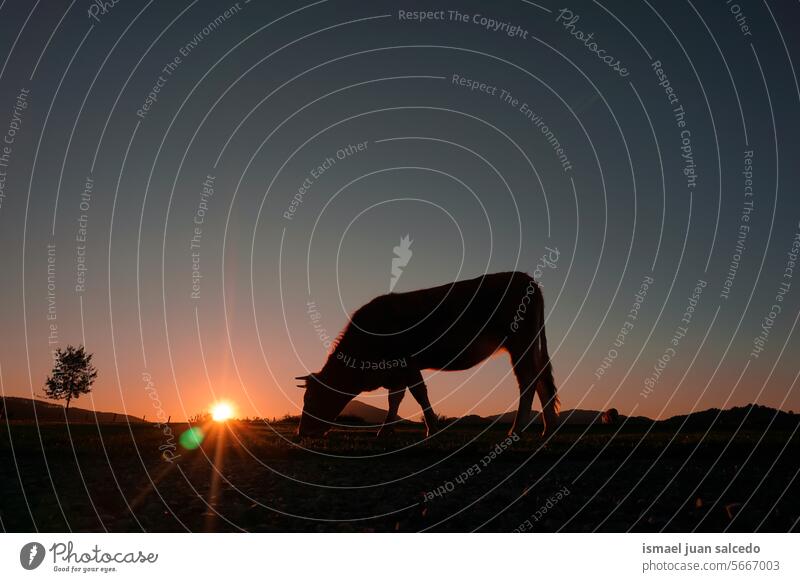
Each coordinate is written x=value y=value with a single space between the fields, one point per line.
x=73 y=374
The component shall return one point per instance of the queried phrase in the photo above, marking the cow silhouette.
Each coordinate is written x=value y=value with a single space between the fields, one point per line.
x=456 y=326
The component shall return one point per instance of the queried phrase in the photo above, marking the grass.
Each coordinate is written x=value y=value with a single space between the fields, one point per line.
x=252 y=477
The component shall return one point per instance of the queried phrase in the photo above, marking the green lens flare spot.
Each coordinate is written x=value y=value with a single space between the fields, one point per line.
x=192 y=438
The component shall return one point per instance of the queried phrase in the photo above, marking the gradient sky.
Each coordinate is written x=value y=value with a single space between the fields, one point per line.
x=263 y=97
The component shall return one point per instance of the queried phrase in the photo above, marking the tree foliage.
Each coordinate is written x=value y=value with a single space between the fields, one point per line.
x=73 y=374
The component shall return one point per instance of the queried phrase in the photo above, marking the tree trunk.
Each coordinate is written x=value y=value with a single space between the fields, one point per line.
x=67 y=411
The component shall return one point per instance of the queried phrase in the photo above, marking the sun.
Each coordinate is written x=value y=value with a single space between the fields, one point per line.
x=221 y=411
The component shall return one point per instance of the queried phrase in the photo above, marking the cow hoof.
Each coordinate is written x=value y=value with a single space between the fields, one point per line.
x=385 y=433
x=429 y=432
x=520 y=432
x=548 y=433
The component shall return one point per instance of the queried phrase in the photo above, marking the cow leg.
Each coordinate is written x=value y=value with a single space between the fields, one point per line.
x=395 y=398
x=525 y=371
x=420 y=393
x=534 y=377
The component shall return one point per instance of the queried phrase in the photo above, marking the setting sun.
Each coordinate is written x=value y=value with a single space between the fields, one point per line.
x=221 y=411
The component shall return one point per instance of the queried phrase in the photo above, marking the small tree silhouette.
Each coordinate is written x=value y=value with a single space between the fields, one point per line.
x=73 y=374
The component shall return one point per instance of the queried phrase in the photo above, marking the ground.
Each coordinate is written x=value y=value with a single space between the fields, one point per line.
x=252 y=477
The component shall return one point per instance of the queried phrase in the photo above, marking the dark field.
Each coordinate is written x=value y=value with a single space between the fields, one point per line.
x=248 y=477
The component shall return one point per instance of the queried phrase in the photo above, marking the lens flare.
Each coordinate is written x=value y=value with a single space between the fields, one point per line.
x=192 y=438
x=221 y=411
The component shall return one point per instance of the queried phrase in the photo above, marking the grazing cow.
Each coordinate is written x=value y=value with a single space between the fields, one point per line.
x=451 y=327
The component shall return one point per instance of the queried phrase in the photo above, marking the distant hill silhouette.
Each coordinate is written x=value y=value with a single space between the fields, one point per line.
x=572 y=416
x=575 y=416
x=27 y=409
x=355 y=413
x=750 y=414
x=22 y=409
x=367 y=413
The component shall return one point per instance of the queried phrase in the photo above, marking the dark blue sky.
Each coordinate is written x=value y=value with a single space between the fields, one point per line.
x=637 y=146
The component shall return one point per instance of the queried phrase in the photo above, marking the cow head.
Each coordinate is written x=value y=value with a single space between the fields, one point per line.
x=323 y=402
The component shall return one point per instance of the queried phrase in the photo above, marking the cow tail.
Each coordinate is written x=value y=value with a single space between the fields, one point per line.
x=549 y=384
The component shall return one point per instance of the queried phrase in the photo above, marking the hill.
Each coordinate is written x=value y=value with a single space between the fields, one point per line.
x=748 y=415
x=366 y=412
x=27 y=409
x=573 y=416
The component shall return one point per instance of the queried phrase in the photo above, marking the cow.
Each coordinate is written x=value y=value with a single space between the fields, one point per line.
x=388 y=341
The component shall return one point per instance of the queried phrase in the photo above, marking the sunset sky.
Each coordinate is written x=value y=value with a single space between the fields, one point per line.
x=202 y=192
